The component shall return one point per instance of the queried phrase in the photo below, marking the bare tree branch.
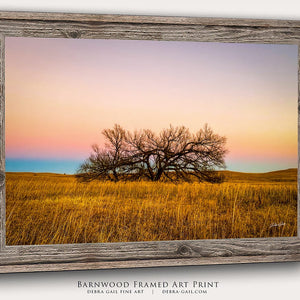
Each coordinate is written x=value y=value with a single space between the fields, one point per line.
x=174 y=154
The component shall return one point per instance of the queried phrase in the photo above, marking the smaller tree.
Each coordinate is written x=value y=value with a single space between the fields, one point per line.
x=107 y=163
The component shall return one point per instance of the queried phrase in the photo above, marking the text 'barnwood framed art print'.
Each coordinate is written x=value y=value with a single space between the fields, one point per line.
x=138 y=141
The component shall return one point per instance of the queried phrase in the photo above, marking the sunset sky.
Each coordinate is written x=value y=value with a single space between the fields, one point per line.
x=61 y=93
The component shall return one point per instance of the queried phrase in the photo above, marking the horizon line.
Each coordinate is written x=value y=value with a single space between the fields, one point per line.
x=225 y=170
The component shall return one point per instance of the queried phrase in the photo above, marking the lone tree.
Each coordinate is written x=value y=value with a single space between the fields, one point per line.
x=174 y=154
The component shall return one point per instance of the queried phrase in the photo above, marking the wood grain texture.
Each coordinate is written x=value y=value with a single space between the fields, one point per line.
x=146 y=263
x=204 y=251
x=141 y=31
x=96 y=18
x=141 y=254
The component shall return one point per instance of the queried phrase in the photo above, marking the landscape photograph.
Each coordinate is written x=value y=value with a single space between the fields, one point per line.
x=131 y=141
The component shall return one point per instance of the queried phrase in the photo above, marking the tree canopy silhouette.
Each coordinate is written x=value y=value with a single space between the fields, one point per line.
x=173 y=154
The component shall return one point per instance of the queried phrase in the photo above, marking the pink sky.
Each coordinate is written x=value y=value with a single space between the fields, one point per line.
x=61 y=93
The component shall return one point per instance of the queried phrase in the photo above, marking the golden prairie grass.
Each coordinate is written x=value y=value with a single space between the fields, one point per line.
x=56 y=209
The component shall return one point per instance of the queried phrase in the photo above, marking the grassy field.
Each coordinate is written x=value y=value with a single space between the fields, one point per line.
x=53 y=209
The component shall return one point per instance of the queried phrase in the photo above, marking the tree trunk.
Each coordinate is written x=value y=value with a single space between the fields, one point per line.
x=116 y=178
x=158 y=174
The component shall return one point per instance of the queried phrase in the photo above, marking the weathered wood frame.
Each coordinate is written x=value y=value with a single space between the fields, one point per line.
x=140 y=254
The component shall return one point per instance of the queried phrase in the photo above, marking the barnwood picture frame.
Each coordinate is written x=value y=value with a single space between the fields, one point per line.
x=140 y=254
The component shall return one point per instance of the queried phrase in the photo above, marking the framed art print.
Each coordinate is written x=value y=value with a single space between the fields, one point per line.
x=138 y=141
